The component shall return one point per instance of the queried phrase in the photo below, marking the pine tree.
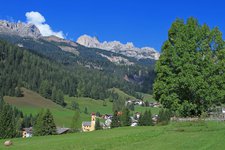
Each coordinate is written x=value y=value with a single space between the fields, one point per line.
x=115 y=120
x=125 y=118
x=49 y=127
x=164 y=117
x=145 y=119
x=7 y=121
x=38 y=126
x=97 y=125
x=85 y=110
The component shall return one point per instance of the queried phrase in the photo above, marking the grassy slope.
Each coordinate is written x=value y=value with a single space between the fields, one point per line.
x=92 y=105
x=208 y=135
x=122 y=95
x=33 y=103
x=97 y=105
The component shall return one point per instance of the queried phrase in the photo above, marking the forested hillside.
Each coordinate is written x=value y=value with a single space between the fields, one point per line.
x=21 y=68
x=140 y=74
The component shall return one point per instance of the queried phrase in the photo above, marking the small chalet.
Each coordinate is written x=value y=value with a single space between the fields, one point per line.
x=27 y=132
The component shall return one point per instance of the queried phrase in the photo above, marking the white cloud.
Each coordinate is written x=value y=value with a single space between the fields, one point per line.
x=39 y=21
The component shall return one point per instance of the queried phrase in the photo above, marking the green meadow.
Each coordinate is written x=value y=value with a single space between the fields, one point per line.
x=32 y=103
x=198 y=135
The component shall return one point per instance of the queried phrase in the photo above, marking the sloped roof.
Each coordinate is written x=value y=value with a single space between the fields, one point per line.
x=86 y=123
x=61 y=130
x=28 y=130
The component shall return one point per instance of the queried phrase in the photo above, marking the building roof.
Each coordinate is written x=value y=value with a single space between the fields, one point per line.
x=28 y=130
x=86 y=123
x=61 y=130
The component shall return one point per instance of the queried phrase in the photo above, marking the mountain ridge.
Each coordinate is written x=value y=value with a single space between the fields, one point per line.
x=127 y=49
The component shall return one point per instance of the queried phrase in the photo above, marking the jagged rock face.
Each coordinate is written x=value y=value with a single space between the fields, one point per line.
x=20 y=29
x=115 y=46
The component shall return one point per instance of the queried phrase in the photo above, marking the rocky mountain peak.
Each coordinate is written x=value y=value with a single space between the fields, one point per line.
x=88 y=41
x=19 y=28
x=127 y=49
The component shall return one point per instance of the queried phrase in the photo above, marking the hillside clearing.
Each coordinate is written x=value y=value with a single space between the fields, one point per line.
x=32 y=103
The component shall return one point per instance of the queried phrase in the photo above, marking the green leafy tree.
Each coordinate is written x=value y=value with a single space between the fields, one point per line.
x=187 y=80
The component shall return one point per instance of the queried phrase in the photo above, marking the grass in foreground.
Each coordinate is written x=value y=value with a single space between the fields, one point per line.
x=209 y=135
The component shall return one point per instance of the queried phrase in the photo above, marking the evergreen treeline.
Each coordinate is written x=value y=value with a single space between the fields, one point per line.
x=21 y=68
x=12 y=121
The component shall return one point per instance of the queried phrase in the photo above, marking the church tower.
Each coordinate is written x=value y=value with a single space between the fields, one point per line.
x=93 y=119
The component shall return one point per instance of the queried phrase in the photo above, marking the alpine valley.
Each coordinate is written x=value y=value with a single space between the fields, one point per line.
x=85 y=68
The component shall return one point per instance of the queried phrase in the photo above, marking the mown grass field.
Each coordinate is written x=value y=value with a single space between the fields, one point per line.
x=176 y=136
x=32 y=103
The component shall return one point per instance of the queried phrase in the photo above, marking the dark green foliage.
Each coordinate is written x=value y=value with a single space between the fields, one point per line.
x=85 y=110
x=45 y=89
x=164 y=117
x=48 y=124
x=38 y=126
x=104 y=103
x=118 y=105
x=43 y=73
x=115 y=120
x=125 y=117
x=18 y=92
x=97 y=124
x=75 y=126
x=45 y=124
x=98 y=114
x=12 y=121
x=131 y=106
x=145 y=119
x=190 y=76
x=75 y=105
x=7 y=121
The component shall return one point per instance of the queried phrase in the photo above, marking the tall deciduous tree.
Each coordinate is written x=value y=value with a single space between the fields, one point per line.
x=188 y=81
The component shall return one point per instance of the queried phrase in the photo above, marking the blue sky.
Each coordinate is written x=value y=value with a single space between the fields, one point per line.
x=143 y=22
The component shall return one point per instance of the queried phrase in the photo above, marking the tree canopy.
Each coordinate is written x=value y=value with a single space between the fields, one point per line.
x=190 y=71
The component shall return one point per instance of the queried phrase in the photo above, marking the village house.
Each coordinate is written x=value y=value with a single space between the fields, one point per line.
x=62 y=130
x=89 y=125
x=27 y=132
